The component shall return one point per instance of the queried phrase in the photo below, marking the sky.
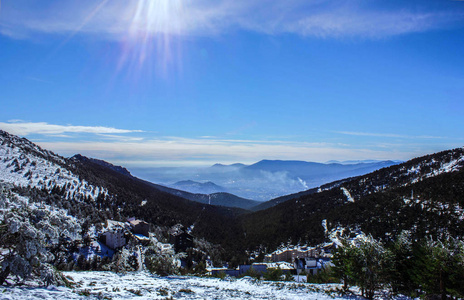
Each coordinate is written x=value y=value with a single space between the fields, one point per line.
x=149 y=83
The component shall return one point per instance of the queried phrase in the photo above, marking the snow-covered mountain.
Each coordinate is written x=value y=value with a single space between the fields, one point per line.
x=25 y=164
x=408 y=173
x=96 y=190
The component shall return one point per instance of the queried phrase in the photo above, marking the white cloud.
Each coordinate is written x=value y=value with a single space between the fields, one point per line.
x=127 y=148
x=178 y=151
x=120 y=18
x=390 y=135
x=19 y=127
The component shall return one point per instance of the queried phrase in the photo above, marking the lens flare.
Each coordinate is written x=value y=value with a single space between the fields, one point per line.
x=153 y=40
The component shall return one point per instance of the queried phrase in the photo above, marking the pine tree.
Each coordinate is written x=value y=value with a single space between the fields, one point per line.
x=439 y=268
x=403 y=265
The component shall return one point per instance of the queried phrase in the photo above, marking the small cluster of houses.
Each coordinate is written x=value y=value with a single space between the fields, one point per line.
x=310 y=259
x=290 y=259
x=116 y=234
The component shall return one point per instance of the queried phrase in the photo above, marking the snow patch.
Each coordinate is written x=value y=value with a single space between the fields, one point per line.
x=347 y=194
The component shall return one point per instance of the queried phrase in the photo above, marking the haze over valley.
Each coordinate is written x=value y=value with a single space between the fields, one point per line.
x=261 y=181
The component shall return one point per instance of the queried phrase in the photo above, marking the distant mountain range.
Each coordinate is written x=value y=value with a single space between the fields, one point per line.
x=262 y=181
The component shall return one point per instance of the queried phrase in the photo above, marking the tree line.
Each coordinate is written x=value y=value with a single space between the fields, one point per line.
x=414 y=268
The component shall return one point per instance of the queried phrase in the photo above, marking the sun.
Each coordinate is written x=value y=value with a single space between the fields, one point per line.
x=153 y=37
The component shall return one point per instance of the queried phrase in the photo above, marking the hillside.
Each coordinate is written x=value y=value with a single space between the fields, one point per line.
x=94 y=192
x=218 y=199
x=424 y=195
x=276 y=201
x=198 y=187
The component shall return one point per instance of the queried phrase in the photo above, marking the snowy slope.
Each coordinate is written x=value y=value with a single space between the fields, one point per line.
x=25 y=164
x=405 y=174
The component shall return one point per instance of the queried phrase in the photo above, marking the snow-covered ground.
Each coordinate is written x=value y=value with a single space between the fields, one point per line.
x=142 y=285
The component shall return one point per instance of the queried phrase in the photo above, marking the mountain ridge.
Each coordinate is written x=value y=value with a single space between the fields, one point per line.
x=424 y=195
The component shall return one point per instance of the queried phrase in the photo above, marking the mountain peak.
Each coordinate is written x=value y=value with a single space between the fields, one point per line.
x=119 y=169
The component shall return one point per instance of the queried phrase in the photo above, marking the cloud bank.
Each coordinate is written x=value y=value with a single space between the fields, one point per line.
x=19 y=127
x=182 y=152
x=138 y=148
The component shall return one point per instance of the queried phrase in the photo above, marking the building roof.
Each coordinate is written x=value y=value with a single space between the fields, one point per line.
x=115 y=225
x=137 y=222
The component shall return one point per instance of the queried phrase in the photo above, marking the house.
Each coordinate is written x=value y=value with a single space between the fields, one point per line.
x=181 y=241
x=311 y=265
x=114 y=235
x=139 y=227
x=289 y=253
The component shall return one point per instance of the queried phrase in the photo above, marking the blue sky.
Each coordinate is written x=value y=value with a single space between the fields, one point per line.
x=183 y=82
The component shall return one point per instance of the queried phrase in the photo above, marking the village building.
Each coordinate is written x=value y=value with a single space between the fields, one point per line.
x=181 y=241
x=139 y=227
x=311 y=265
x=290 y=253
x=115 y=234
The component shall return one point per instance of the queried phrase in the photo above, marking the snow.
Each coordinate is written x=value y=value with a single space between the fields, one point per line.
x=143 y=285
x=280 y=264
x=447 y=165
x=23 y=164
x=347 y=194
x=61 y=221
x=452 y=166
x=141 y=237
x=324 y=225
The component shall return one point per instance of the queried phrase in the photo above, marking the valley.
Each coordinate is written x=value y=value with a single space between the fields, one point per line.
x=423 y=197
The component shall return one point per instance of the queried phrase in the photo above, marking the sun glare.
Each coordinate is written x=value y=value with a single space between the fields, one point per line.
x=153 y=36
